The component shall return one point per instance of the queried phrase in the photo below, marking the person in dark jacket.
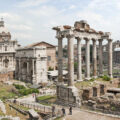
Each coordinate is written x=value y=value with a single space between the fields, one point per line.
x=63 y=111
x=70 y=110
x=53 y=111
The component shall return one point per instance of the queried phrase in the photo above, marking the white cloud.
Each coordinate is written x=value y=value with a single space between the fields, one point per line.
x=20 y=27
x=10 y=16
x=72 y=7
x=30 y=3
x=46 y=11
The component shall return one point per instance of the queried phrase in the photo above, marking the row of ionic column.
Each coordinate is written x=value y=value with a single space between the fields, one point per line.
x=87 y=59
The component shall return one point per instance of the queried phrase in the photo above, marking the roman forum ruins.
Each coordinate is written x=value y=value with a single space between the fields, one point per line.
x=80 y=31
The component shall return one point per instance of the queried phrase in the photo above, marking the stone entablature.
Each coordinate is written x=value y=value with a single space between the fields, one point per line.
x=31 y=64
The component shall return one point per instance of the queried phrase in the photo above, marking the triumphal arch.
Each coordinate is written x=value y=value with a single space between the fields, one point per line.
x=80 y=31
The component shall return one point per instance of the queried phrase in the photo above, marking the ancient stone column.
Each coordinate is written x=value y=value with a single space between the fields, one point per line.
x=110 y=58
x=60 y=60
x=79 y=70
x=87 y=58
x=94 y=59
x=16 y=69
x=100 y=57
x=33 y=76
x=70 y=61
x=33 y=66
x=27 y=67
x=19 y=69
x=27 y=70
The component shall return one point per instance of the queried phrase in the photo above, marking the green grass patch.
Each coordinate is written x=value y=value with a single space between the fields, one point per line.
x=17 y=86
x=7 y=91
x=58 y=118
x=45 y=97
x=84 y=84
x=25 y=91
x=28 y=91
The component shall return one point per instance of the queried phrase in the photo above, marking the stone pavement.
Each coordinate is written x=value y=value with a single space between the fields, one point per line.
x=28 y=98
x=85 y=115
x=77 y=113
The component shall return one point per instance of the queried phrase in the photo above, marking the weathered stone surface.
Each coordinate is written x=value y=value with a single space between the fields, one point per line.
x=68 y=95
x=31 y=64
x=7 y=50
x=2 y=106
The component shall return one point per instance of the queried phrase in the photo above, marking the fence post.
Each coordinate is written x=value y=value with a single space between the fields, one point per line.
x=44 y=108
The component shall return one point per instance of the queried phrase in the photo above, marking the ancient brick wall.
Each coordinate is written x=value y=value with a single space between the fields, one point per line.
x=6 y=76
x=95 y=91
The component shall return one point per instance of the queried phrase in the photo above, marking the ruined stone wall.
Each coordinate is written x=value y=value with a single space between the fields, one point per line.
x=6 y=76
x=67 y=96
x=95 y=91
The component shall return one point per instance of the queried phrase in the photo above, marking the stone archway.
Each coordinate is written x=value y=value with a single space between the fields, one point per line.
x=24 y=71
x=6 y=62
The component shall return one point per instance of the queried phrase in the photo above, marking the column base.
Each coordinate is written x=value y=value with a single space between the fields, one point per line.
x=100 y=75
x=88 y=78
x=34 y=79
x=95 y=77
x=79 y=80
x=111 y=76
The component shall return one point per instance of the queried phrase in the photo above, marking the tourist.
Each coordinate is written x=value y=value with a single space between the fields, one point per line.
x=53 y=111
x=70 y=110
x=63 y=111
x=33 y=95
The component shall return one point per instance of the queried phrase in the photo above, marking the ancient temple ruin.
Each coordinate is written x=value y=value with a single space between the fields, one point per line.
x=80 y=31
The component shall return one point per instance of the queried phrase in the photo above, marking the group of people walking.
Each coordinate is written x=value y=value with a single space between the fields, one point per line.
x=63 y=110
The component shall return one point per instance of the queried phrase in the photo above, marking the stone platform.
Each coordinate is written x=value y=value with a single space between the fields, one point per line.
x=68 y=95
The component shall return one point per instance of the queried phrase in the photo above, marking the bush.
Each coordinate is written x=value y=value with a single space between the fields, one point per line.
x=83 y=71
x=106 y=78
x=113 y=108
x=19 y=86
x=91 y=80
x=50 y=69
x=28 y=91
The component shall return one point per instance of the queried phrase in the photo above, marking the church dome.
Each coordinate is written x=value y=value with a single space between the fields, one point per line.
x=4 y=32
x=3 y=29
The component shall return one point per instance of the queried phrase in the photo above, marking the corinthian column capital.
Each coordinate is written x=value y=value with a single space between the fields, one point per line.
x=100 y=40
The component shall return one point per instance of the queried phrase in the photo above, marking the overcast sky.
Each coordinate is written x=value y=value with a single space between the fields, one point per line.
x=31 y=21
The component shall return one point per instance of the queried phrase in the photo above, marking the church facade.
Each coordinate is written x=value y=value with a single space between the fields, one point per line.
x=7 y=50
